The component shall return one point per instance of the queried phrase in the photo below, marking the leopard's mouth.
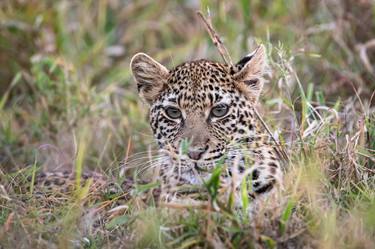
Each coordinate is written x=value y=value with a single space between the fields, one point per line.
x=199 y=168
x=183 y=163
x=188 y=171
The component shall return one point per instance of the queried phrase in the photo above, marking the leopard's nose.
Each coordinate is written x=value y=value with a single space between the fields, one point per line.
x=196 y=153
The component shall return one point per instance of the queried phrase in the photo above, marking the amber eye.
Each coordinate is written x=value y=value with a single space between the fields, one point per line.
x=173 y=112
x=220 y=110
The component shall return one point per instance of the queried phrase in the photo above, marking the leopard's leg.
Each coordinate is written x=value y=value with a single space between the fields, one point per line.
x=259 y=168
x=265 y=174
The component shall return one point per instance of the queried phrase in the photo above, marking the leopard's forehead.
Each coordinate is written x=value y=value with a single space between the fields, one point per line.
x=195 y=75
x=199 y=82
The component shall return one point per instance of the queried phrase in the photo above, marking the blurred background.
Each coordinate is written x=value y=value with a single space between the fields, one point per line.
x=65 y=74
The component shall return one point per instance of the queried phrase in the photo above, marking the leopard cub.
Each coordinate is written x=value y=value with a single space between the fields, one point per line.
x=210 y=107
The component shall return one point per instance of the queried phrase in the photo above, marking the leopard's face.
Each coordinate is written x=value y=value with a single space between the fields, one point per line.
x=200 y=113
x=200 y=109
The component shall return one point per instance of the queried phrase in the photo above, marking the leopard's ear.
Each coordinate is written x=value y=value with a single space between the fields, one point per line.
x=150 y=75
x=248 y=73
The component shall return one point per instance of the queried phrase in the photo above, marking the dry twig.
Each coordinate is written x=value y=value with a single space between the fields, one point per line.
x=203 y=206
x=279 y=148
x=227 y=60
x=362 y=49
x=216 y=39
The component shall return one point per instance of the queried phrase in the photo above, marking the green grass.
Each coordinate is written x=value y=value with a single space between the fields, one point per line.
x=67 y=98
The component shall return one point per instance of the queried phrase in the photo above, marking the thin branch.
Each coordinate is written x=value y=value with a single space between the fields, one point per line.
x=174 y=205
x=216 y=39
x=227 y=59
x=362 y=49
x=279 y=149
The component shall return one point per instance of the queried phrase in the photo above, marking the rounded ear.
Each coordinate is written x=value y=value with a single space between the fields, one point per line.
x=150 y=75
x=248 y=73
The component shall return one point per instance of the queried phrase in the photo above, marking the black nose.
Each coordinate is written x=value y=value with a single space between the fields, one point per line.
x=196 y=154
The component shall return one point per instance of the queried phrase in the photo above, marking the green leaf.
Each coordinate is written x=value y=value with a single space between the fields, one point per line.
x=244 y=194
x=14 y=82
x=33 y=177
x=270 y=243
x=145 y=187
x=286 y=216
x=310 y=90
x=118 y=221
x=320 y=97
x=185 y=144
x=213 y=183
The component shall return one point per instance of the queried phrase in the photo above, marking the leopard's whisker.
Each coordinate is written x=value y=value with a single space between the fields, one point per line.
x=148 y=167
x=139 y=153
x=141 y=163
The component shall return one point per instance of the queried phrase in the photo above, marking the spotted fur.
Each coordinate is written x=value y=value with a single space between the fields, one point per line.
x=64 y=182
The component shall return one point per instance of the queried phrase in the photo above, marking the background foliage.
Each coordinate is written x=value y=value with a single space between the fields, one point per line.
x=65 y=82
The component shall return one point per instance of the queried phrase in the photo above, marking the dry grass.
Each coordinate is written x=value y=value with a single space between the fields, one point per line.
x=67 y=99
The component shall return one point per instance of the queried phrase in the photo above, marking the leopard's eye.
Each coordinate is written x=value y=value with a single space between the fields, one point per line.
x=173 y=112
x=220 y=110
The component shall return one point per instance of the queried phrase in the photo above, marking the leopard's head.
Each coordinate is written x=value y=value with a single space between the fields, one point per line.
x=199 y=108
